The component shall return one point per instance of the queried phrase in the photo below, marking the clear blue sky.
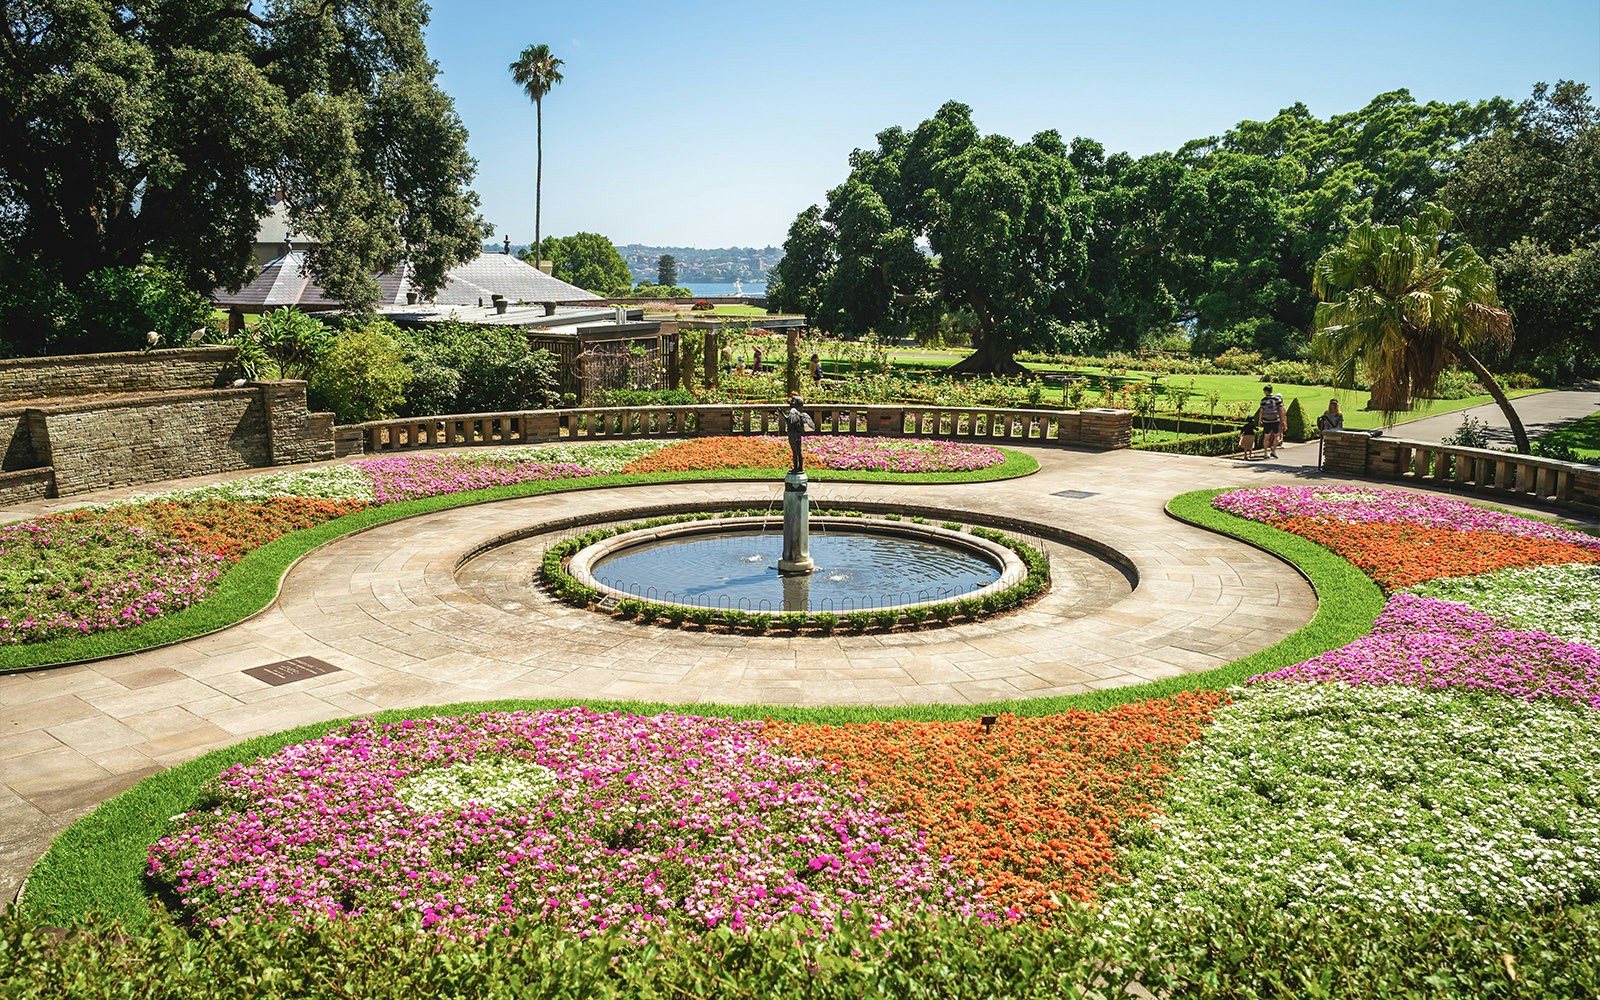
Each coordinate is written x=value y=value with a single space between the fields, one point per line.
x=713 y=124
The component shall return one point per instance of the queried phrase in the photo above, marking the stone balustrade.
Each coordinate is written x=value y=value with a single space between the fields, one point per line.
x=1101 y=429
x=1500 y=473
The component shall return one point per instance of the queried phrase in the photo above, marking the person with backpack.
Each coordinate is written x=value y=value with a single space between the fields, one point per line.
x=1271 y=414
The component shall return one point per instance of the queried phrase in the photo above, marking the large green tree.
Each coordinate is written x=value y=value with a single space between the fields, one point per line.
x=589 y=261
x=1404 y=303
x=1375 y=164
x=161 y=130
x=1528 y=196
x=997 y=220
x=536 y=71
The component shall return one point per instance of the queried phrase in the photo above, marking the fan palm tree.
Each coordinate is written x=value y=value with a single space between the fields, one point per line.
x=536 y=71
x=1396 y=301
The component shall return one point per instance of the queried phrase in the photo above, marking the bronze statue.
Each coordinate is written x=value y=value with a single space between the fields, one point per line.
x=799 y=422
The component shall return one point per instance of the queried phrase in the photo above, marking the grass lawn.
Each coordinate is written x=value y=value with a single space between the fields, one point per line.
x=1582 y=437
x=1237 y=389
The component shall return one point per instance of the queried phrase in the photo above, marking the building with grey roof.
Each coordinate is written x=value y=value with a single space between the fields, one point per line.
x=286 y=282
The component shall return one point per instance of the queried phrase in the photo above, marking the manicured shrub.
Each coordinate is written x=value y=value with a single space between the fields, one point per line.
x=825 y=622
x=759 y=622
x=885 y=619
x=858 y=621
x=792 y=621
x=1295 y=425
x=702 y=617
x=914 y=616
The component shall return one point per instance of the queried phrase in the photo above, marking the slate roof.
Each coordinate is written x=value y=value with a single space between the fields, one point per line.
x=504 y=274
x=285 y=282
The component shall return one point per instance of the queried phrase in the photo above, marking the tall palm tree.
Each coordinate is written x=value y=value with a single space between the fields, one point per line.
x=536 y=71
x=1395 y=300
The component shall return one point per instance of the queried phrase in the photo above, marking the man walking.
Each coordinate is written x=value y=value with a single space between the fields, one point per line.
x=1271 y=414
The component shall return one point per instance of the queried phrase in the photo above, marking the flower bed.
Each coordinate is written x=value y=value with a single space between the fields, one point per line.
x=1364 y=505
x=590 y=820
x=1427 y=643
x=408 y=477
x=1031 y=808
x=1561 y=600
x=65 y=576
x=1402 y=555
x=845 y=453
x=1444 y=763
x=225 y=528
x=1316 y=797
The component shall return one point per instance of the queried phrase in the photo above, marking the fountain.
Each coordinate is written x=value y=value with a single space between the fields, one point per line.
x=735 y=563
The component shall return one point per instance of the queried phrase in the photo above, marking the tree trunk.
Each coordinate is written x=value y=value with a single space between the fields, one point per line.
x=988 y=358
x=538 y=184
x=1517 y=432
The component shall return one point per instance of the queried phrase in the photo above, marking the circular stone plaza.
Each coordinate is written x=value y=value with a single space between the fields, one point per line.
x=443 y=608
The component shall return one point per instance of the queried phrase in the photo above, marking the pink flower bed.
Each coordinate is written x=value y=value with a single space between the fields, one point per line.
x=618 y=821
x=1365 y=505
x=68 y=577
x=409 y=477
x=1427 y=643
x=900 y=455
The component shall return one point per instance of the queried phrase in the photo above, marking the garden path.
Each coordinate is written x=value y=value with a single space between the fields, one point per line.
x=387 y=608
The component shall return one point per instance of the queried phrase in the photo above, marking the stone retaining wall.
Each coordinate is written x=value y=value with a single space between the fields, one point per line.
x=142 y=439
x=58 y=377
x=26 y=484
x=77 y=423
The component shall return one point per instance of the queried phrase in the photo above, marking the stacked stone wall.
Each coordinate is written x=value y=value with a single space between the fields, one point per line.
x=93 y=446
x=28 y=380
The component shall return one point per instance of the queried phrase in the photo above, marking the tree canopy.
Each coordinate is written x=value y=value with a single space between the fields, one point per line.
x=162 y=131
x=589 y=261
x=1528 y=196
x=1219 y=237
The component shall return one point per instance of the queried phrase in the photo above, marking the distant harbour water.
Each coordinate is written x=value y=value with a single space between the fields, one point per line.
x=711 y=289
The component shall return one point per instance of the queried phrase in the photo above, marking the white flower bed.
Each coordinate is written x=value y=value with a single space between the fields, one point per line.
x=1563 y=600
x=488 y=782
x=1313 y=796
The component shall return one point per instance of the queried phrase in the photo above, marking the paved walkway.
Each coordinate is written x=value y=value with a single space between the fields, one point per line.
x=390 y=609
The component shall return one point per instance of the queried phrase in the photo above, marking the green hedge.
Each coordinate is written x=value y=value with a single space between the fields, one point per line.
x=1235 y=953
x=1205 y=444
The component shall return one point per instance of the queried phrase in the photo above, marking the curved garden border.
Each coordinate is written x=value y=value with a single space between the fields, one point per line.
x=252 y=584
x=96 y=865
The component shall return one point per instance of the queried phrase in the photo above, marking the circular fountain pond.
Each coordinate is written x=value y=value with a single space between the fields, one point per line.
x=861 y=564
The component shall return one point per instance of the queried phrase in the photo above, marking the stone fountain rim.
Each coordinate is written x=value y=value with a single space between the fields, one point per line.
x=1013 y=570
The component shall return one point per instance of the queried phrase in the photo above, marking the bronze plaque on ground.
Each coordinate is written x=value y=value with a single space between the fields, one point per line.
x=289 y=671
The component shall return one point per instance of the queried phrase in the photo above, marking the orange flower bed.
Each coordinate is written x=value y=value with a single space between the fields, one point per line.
x=1033 y=807
x=1402 y=555
x=225 y=527
x=714 y=453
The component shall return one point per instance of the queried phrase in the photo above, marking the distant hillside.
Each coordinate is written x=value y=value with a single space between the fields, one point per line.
x=695 y=265
x=720 y=264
